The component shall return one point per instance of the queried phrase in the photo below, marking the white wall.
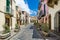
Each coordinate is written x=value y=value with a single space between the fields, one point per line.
x=14 y=14
x=2 y=5
x=13 y=22
x=2 y=20
x=53 y=11
x=2 y=16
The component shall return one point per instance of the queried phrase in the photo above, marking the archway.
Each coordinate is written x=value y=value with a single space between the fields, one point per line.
x=57 y=21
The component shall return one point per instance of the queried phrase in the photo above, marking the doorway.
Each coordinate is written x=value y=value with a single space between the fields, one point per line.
x=8 y=20
x=50 y=22
x=59 y=21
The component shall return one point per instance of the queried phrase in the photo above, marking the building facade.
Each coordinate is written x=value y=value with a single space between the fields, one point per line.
x=24 y=17
x=54 y=11
x=27 y=18
x=7 y=13
x=18 y=15
x=13 y=4
x=52 y=14
x=42 y=12
x=33 y=19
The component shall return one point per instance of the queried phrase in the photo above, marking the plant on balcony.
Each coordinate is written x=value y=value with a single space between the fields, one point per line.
x=45 y=28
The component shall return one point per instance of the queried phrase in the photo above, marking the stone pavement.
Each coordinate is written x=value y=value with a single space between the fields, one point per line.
x=14 y=33
x=29 y=33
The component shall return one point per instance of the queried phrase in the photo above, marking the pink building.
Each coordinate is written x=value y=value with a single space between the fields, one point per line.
x=43 y=11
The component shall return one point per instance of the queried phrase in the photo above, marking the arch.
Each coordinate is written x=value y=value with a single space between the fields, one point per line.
x=57 y=21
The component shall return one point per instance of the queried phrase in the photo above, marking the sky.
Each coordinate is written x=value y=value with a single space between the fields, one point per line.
x=30 y=6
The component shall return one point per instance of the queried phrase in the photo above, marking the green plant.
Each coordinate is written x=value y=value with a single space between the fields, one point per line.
x=37 y=25
x=45 y=27
x=16 y=26
x=6 y=28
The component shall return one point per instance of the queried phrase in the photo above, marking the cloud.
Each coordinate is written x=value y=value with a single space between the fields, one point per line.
x=33 y=12
x=23 y=5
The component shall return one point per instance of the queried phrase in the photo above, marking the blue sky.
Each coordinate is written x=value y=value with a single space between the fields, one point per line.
x=31 y=6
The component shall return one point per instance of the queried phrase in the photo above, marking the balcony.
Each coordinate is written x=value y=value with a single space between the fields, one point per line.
x=8 y=11
x=39 y=17
x=51 y=3
x=41 y=14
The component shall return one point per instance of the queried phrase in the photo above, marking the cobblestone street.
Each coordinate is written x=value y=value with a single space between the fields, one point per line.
x=29 y=19
x=29 y=33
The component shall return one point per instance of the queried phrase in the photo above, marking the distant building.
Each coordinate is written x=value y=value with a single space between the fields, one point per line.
x=24 y=17
x=33 y=18
x=18 y=15
x=27 y=17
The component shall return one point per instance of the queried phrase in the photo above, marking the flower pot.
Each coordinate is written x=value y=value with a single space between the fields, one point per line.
x=6 y=35
x=38 y=29
x=45 y=33
x=16 y=30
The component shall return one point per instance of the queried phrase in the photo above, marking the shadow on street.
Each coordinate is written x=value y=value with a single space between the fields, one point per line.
x=35 y=35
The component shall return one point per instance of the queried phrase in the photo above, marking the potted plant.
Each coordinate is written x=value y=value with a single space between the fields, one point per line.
x=6 y=32
x=37 y=25
x=16 y=28
x=45 y=28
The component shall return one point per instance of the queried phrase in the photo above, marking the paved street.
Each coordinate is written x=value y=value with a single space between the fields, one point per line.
x=29 y=33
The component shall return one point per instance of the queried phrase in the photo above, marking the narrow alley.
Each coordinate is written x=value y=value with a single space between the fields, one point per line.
x=29 y=33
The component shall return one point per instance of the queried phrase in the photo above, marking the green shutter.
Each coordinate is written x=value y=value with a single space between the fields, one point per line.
x=7 y=5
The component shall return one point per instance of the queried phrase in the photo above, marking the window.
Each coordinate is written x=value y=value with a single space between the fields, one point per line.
x=40 y=13
x=16 y=7
x=7 y=5
x=56 y=2
x=22 y=12
x=49 y=1
x=44 y=9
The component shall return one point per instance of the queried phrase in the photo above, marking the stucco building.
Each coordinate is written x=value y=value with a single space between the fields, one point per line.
x=54 y=11
x=42 y=11
x=7 y=13
x=25 y=17
x=18 y=15
x=52 y=14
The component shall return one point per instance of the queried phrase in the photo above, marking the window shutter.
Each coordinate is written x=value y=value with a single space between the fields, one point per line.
x=44 y=9
x=7 y=5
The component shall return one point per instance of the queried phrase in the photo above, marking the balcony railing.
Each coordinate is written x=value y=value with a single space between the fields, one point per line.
x=8 y=10
x=41 y=14
x=51 y=3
